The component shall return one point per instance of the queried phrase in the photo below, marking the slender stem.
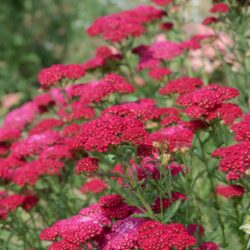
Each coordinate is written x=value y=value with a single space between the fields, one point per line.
x=238 y=221
x=212 y=186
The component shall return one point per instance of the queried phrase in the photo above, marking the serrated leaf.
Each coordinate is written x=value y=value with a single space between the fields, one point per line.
x=169 y=214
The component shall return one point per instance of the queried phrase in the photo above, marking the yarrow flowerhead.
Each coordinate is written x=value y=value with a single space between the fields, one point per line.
x=123 y=235
x=181 y=85
x=96 y=91
x=176 y=138
x=117 y=27
x=230 y=191
x=219 y=8
x=154 y=235
x=52 y=75
x=209 y=246
x=242 y=129
x=209 y=101
x=87 y=165
x=210 y=20
x=109 y=130
x=162 y=2
x=235 y=159
x=94 y=185
x=159 y=73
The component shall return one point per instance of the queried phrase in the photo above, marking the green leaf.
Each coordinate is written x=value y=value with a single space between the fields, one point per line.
x=169 y=214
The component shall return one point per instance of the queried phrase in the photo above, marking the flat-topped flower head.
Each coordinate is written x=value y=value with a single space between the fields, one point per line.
x=87 y=165
x=77 y=229
x=44 y=125
x=220 y=8
x=242 y=129
x=176 y=138
x=209 y=100
x=9 y=134
x=35 y=143
x=143 y=109
x=181 y=85
x=111 y=200
x=125 y=24
x=162 y=2
x=210 y=20
x=235 y=159
x=109 y=130
x=124 y=234
x=159 y=73
x=48 y=77
x=165 y=50
x=230 y=191
x=94 y=185
x=96 y=91
x=158 y=236
x=227 y=112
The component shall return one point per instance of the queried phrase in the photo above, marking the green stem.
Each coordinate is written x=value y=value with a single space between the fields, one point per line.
x=239 y=222
x=212 y=187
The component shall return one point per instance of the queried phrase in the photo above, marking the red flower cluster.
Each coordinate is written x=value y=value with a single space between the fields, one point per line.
x=162 y=2
x=97 y=90
x=159 y=73
x=10 y=202
x=154 y=235
x=125 y=24
x=8 y=134
x=143 y=109
x=21 y=117
x=181 y=85
x=208 y=102
x=235 y=159
x=242 y=129
x=95 y=221
x=210 y=20
x=230 y=191
x=123 y=235
x=151 y=56
x=103 y=56
x=109 y=130
x=44 y=125
x=219 y=8
x=87 y=165
x=52 y=75
x=91 y=127
x=76 y=230
x=227 y=112
x=94 y=224
x=175 y=138
x=95 y=185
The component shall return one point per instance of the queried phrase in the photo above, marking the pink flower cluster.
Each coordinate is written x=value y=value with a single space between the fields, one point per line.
x=94 y=224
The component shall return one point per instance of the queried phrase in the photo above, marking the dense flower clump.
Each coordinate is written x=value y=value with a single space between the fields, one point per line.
x=136 y=147
x=230 y=191
x=55 y=73
x=117 y=27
